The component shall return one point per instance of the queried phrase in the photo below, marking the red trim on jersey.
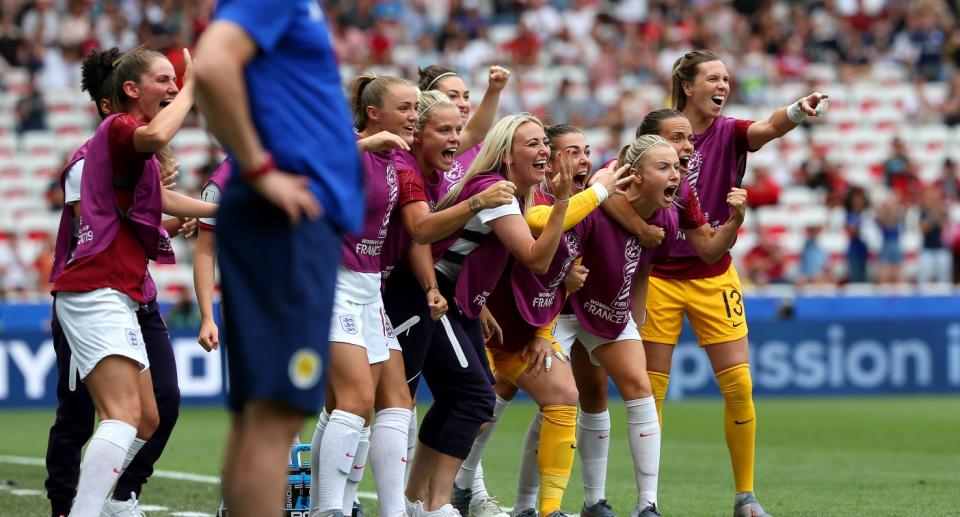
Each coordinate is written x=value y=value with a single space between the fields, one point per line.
x=411 y=188
x=689 y=268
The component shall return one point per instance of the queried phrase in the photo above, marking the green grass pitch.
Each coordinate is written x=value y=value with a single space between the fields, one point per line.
x=816 y=457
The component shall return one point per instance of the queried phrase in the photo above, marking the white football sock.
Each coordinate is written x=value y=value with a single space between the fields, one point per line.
x=593 y=444
x=102 y=464
x=467 y=473
x=528 y=484
x=478 y=492
x=643 y=429
x=337 y=449
x=388 y=457
x=357 y=470
x=411 y=443
x=315 y=455
x=135 y=447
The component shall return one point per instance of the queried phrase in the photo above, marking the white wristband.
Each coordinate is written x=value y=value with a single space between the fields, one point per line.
x=602 y=192
x=795 y=113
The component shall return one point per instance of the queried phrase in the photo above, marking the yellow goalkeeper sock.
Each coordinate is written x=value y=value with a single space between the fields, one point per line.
x=739 y=422
x=558 y=445
x=659 y=382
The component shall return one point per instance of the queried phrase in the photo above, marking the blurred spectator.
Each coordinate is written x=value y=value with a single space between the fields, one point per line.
x=764 y=263
x=75 y=28
x=11 y=40
x=754 y=70
x=934 y=263
x=763 y=190
x=350 y=44
x=949 y=181
x=184 y=314
x=793 y=63
x=579 y=19
x=113 y=30
x=44 y=265
x=927 y=39
x=13 y=276
x=954 y=240
x=54 y=196
x=856 y=204
x=541 y=18
x=814 y=261
x=890 y=259
x=524 y=48
x=42 y=21
x=818 y=173
x=951 y=105
x=31 y=110
x=897 y=164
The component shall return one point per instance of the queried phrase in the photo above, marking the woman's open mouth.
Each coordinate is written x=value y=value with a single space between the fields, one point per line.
x=449 y=154
x=540 y=165
x=718 y=99
x=580 y=180
x=670 y=191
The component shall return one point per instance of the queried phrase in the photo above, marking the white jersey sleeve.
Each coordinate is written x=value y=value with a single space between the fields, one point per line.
x=71 y=187
x=211 y=194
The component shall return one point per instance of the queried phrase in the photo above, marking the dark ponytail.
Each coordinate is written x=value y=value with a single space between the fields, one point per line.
x=685 y=70
x=369 y=89
x=651 y=123
x=97 y=76
x=129 y=67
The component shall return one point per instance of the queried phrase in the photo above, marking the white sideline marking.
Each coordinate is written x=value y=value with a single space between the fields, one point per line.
x=153 y=508
x=167 y=474
x=191 y=514
x=25 y=491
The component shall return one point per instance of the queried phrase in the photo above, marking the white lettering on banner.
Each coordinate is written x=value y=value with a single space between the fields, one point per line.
x=901 y=354
x=812 y=365
x=867 y=364
x=953 y=354
x=208 y=381
x=34 y=368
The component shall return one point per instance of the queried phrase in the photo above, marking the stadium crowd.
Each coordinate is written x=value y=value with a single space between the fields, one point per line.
x=602 y=65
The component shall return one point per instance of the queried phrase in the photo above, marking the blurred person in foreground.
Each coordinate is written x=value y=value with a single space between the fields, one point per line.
x=279 y=224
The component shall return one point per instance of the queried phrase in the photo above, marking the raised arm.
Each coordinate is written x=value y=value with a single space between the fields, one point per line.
x=158 y=133
x=712 y=244
x=783 y=120
x=581 y=204
x=482 y=119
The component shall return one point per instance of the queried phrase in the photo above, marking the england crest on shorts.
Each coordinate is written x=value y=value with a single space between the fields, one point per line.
x=133 y=337
x=349 y=324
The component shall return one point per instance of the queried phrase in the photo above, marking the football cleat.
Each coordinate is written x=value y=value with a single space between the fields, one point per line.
x=745 y=505
x=600 y=508
x=461 y=498
x=648 y=511
x=486 y=507
x=128 y=508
